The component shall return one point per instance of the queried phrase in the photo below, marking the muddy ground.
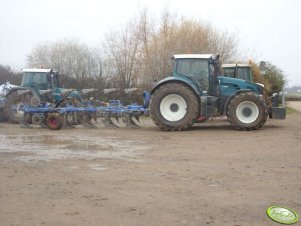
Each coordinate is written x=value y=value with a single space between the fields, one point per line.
x=210 y=175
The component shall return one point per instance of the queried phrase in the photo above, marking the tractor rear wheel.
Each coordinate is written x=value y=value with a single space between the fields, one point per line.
x=54 y=121
x=247 y=112
x=174 y=106
x=13 y=110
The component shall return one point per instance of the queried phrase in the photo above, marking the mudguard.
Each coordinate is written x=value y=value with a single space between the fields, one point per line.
x=16 y=89
x=184 y=80
x=231 y=97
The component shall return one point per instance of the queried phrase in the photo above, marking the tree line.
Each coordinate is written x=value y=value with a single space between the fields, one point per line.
x=138 y=53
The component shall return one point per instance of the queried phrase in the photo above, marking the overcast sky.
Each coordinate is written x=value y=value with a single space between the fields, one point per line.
x=267 y=29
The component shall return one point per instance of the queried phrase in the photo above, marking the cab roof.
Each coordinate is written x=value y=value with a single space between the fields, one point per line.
x=38 y=70
x=236 y=65
x=193 y=56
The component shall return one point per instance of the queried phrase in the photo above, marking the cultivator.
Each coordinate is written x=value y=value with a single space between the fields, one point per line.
x=85 y=113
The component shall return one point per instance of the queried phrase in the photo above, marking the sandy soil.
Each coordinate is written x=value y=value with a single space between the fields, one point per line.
x=210 y=175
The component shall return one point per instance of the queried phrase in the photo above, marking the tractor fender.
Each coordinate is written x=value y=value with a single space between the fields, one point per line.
x=232 y=96
x=16 y=89
x=186 y=82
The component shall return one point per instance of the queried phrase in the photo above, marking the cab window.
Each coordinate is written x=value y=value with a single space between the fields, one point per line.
x=196 y=69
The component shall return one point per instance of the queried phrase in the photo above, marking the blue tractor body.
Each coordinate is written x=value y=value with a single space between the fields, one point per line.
x=196 y=80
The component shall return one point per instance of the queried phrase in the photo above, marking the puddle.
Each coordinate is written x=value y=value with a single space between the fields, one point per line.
x=31 y=148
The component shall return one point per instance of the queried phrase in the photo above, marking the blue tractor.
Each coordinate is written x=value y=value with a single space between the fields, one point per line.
x=37 y=86
x=196 y=91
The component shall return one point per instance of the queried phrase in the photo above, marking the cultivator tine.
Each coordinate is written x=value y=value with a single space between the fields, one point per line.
x=25 y=125
x=107 y=121
x=67 y=124
x=116 y=116
x=24 y=121
x=43 y=123
x=86 y=121
x=129 y=122
x=88 y=124
x=137 y=117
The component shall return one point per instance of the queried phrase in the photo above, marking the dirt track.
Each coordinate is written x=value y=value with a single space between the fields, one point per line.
x=210 y=175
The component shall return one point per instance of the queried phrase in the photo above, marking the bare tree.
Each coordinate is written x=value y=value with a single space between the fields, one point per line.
x=122 y=50
x=7 y=74
x=71 y=58
x=175 y=36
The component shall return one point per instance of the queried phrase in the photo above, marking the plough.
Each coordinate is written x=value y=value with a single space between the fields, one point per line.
x=56 y=117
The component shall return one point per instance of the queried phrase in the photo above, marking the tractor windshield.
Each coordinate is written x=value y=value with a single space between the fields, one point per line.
x=39 y=80
x=244 y=73
x=229 y=72
x=238 y=72
x=197 y=69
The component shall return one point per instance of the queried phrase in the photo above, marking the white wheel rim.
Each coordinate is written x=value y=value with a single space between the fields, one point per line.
x=173 y=107
x=247 y=112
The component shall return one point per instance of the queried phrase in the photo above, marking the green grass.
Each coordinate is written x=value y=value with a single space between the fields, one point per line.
x=289 y=110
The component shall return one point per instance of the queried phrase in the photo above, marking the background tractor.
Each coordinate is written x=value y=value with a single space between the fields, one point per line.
x=197 y=91
x=241 y=71
x=37 y=86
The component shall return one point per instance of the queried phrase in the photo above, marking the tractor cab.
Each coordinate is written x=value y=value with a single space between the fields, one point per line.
x=240 y=71
x=197 y=70
x=40 y=79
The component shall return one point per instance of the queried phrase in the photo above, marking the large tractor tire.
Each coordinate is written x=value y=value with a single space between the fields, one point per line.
x=54 y=121
x=247 y=112
x=174 y=106
x=13 y=103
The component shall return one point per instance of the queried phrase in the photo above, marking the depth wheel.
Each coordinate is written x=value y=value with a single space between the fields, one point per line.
x=54 y=121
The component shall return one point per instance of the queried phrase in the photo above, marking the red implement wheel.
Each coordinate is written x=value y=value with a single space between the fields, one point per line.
x=54 y=121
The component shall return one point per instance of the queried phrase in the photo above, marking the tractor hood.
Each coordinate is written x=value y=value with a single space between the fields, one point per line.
x=60 y=93
x=231 y=85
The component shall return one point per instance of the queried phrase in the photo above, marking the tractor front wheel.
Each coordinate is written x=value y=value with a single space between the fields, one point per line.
x=174 y=106
x=247 y=112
